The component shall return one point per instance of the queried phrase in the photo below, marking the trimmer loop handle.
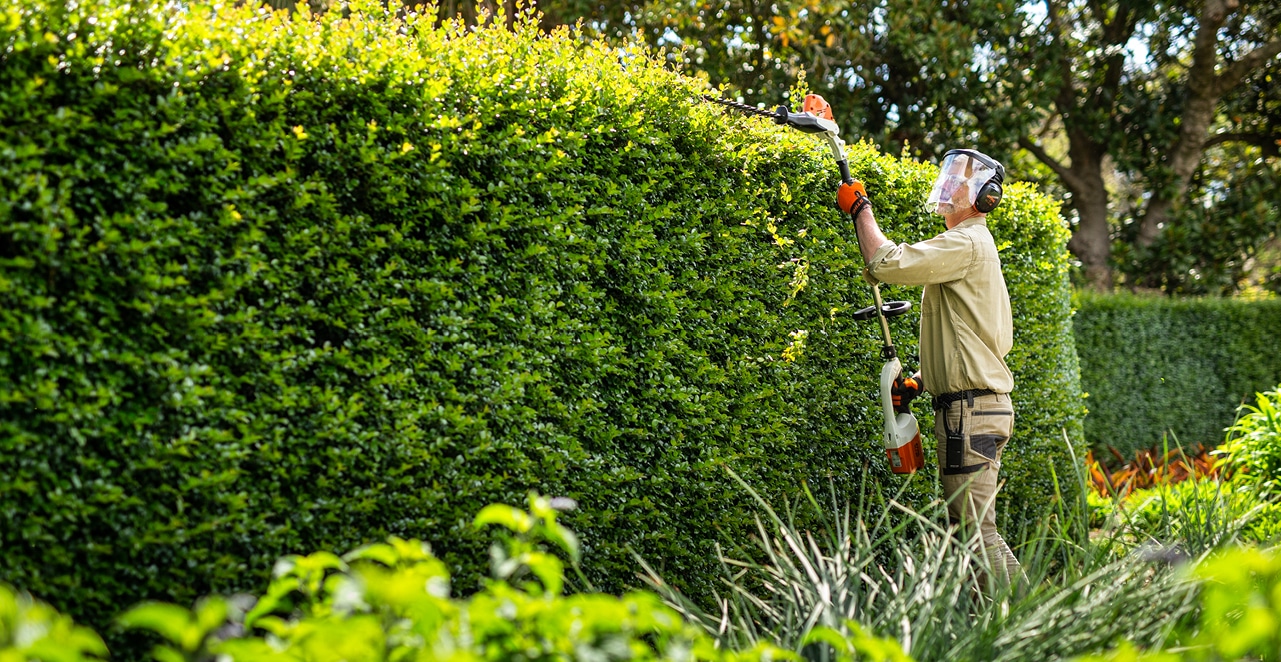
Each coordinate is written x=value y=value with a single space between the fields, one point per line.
x=890 y=309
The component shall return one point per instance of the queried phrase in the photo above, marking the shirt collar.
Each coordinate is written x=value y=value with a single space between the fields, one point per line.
x=977 y=220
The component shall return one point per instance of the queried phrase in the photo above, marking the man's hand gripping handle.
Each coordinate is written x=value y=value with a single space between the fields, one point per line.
x=852 y=198
x=905 y=390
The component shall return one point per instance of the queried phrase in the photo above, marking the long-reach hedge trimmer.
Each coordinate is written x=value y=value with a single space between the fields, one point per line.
x=902 y=438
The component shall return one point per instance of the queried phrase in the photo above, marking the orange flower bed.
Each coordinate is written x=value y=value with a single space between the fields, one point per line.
x=1150 y=468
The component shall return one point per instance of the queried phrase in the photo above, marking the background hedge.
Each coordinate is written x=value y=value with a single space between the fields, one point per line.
x=273 y=284
x=1157 y=368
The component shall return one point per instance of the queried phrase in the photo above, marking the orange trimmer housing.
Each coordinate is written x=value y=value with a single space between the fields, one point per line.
x=817 y=106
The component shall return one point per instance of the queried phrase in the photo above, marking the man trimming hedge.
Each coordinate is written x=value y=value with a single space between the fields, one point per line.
x=966 y=331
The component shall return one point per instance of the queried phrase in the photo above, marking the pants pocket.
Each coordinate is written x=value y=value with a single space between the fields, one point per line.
x=990 y=429
x=986 y=444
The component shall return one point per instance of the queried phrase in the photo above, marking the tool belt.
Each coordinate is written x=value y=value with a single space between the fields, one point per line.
x=942 y=401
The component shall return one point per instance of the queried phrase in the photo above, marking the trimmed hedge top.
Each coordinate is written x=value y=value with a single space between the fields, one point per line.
x=274 y=283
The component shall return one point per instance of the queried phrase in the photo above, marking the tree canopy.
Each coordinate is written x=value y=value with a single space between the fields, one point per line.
x=1156 y=122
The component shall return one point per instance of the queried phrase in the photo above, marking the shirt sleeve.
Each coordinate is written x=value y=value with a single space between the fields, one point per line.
x=943 y=259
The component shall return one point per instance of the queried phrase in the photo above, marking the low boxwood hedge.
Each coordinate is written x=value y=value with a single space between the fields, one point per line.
x=273 y=283
x=1160 y=370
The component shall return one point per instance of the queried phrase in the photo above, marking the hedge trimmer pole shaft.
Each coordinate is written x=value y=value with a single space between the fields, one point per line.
x=902 y=434
x=887 y=352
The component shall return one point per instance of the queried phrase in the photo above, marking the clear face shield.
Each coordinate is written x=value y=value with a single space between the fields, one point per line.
x=957 y=187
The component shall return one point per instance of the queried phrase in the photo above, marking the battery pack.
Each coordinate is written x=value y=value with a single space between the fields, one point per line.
x=908 y=458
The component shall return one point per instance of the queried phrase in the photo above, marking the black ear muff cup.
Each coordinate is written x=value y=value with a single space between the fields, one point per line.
x=989 y=196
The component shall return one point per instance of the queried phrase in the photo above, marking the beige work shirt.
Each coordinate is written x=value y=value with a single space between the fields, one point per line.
x=966 y=326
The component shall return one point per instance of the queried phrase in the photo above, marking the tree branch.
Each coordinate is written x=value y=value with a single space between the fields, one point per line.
x=1202 y=94
x=1073 y=182
x=1233 y=73
x=1270 y=144
x=1100 y=12
x=1201 y=78
x=1115 y=34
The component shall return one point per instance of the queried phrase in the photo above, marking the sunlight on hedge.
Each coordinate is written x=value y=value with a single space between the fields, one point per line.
x=274 y=282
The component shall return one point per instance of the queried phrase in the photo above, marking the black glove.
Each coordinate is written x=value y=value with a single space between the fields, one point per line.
x=903 y=392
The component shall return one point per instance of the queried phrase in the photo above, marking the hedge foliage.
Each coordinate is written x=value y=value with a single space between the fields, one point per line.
x=1160 y=370
x=272 y=283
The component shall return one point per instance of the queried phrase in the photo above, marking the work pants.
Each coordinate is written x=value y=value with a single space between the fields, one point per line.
x=972 y=433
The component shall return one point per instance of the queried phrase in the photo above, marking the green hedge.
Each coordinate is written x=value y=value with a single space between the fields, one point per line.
x=1158 y=369
x=272 y=284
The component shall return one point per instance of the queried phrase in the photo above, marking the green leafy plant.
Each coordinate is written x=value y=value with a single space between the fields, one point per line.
x=1241 y=604
x=1200 y=515
x=391 y=601
x=1101 y=508
x=32 y=630
x=1253 y=445
x=522 y=551
x=1240 y=615
x=815 y=596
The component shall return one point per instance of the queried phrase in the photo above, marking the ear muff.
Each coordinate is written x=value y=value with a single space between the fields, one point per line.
x=990 y=195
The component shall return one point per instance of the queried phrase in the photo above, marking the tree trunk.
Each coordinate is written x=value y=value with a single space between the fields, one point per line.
x=1091 y=243
x=1185 y=153
x=1183 y=162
